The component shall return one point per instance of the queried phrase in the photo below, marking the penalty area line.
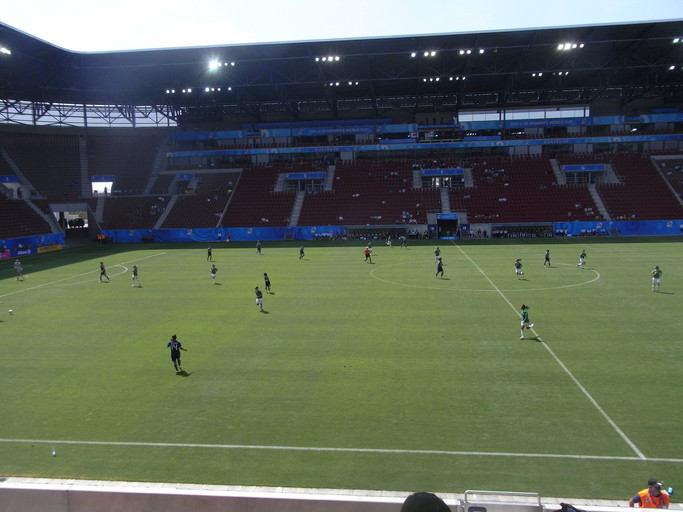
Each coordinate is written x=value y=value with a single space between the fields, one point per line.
x=61 y=442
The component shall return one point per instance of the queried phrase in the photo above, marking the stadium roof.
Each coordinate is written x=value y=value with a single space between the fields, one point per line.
x=502 y=69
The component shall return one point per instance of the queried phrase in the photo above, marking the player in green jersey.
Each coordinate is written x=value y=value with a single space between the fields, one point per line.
x=582 y=259
x=656 y=278
x=213 y=270
x=518 y=268
x=135 y=278
x=524 y=314
x=259 y=298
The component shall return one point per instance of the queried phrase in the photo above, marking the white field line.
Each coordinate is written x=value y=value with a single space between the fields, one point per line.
x=62 y=442
x=562 y=365
x=38 y=286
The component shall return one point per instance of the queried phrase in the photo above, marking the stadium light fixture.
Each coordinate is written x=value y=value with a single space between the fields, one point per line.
x=5 y=51
x=677 y=40
x=569 y=46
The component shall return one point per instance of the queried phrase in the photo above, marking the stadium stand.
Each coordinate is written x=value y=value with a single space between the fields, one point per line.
x=255 y=201
x=204 y=207
x=371 y=193
x=51 y=162
x=129 y=158
x=521 y=189
x=18 y=219
x=642 y=193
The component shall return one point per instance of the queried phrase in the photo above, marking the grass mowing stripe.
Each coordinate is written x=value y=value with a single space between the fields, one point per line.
x=341 y=450
x=562 y=365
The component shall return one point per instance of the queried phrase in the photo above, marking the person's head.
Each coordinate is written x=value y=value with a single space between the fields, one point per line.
x=265 y=273
x=424 y=502
x=524 y=306
x=173 y=337
x=256 y=288
x=655 y=486
x=656 y=268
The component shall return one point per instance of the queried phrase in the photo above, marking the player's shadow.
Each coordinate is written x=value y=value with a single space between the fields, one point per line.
x=444 y=278
x=217 y=284
x=667 y=293
x=265 y=312
x=183 y=373
x=536 y=338
x=270 y=293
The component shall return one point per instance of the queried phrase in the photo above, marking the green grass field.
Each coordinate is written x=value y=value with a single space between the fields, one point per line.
x=357 y=375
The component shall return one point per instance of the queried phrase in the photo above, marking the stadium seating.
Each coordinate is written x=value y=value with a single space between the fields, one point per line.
x=133 y=212
x=50 y=162
x=642 y=194
x=127 y=157
x=521 y=189
x=204 y=207
x=371 y=192
x=255 y=202
x=18 y=219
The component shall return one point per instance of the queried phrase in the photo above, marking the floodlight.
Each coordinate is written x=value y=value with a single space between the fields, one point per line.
x=214 y=65
x=5 y=51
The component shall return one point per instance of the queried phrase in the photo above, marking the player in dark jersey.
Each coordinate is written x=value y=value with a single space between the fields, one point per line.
x=258 y=247
x=103 y=272
x=266 y=280
x=439 y=268
x=175 y=346
x=301 y=252
x=209 y=254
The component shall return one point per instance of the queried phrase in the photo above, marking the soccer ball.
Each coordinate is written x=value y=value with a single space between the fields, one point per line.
x=11 y=312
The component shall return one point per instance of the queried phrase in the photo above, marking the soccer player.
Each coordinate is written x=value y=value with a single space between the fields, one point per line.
x=301 y=252
x=582 y=259
x=546 y=259
x=404 y=242
x=135 y=278
x=213 y=271
x=388 y=243
x=439 y=268
x=175 y=346
x=103 y=272
x=18 y=268
x=266 y=280
x=524 y=313
x=259 y=298
x=656 y=278
x=368 y=253
x=518 y=268
x=208 y=254
x=437 y=253
x=258 y=247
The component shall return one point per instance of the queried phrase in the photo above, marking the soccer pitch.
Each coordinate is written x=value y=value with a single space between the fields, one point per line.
x=356 y=375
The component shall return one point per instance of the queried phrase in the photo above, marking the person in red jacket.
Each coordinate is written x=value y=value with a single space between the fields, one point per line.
x=652 y=497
